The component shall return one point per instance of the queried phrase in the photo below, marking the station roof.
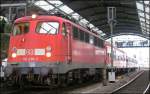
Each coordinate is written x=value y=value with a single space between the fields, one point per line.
x=132 y=16
x=127 y=15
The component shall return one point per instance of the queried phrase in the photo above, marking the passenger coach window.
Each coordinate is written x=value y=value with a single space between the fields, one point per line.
x=20 y=28
x=47 y=27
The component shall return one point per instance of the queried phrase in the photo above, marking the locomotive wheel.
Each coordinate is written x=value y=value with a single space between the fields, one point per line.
x=9 y=83
x=48 y=81
x=63 y=81
x=21 y=83
x=69 y=78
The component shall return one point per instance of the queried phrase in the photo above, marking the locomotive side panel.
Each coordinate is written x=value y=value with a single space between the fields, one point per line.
x=100 y=55
x=84 y=51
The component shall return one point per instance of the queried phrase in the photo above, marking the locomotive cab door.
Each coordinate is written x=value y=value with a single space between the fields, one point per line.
x=66 y=41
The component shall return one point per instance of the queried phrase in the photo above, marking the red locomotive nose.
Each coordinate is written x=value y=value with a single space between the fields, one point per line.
x=34 y=41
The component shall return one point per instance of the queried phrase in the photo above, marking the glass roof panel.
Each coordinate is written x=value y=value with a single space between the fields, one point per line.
x=91 y=25
x=146 y=2
x=139 y=6
x=142 y=19
x=44 y=5
x=147 y=16
x=141 y=14
x=41 y=3
x=76 y=16
x=95 y=29
x=147 y=25
x=84 y=21
x=99 y=31
x=147 y=9
x=144 y=15
x=103 y=34
x=58 y=5
x=142 y=24
x=147 y=22
x=66 y=9
x=55 y=2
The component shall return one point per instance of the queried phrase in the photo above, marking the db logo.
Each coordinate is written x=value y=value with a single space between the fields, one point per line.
x=29 y=51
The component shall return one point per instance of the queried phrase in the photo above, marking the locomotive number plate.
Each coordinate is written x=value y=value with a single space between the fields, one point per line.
x=29 y=51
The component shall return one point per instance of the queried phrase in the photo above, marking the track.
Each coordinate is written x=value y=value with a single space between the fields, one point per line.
x=137 y=86
x=138 y=82
x=45 y=90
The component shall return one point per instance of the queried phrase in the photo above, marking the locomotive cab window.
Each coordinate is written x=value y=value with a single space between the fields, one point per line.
x=47 y=27
x=20 y=28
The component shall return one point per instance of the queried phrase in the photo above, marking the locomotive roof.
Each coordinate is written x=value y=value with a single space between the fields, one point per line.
x=45 y=17
x=41 y=17
x=82 y=28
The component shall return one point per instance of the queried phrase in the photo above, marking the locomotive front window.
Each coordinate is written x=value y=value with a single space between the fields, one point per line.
x=20 y=28
x=47 y=27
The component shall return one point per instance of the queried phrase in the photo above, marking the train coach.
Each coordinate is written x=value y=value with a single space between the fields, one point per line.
x=121 y=61
x=51 y=50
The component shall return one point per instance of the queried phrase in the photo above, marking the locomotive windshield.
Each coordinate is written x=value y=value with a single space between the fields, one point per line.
x=21 y=28
x=47 y=27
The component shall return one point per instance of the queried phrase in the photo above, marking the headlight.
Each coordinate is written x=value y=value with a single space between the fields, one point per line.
x=48 y=54
x=14 y=55
x=34 y=16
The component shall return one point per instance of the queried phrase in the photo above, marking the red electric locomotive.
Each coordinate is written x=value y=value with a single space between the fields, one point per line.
x=51 y=50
